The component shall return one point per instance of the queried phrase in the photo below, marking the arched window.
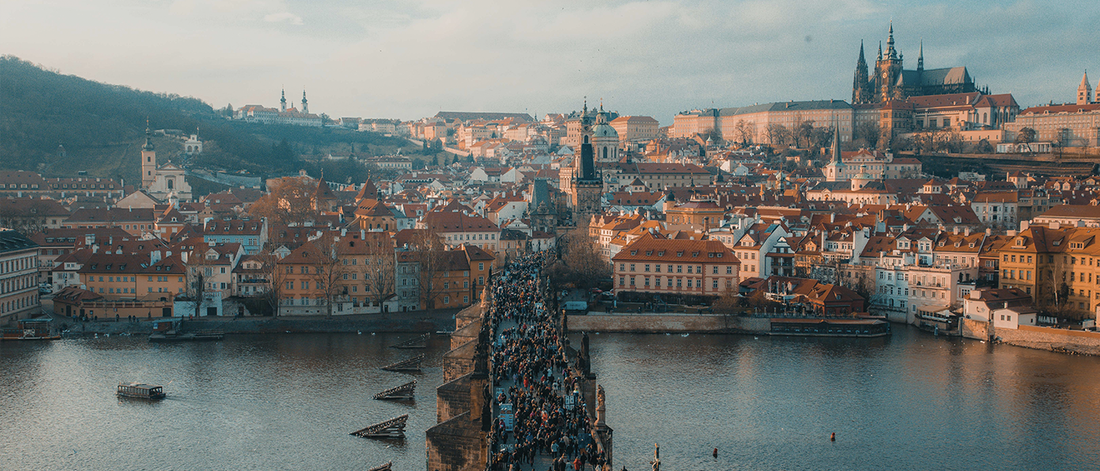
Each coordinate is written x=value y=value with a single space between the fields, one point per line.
x=605 y=153
x=586 y=139
x=171 y=182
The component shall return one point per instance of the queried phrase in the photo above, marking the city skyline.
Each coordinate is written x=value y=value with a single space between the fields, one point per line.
x=400 y=60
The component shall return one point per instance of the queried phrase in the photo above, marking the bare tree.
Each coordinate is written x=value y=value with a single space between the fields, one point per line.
x=778 y=134
x=744 y=132
x=582 y=256
x=430 y=255
x=327 y=268
x=198 y=269
x=870 y=132
x=379 y=272
x=275 y=276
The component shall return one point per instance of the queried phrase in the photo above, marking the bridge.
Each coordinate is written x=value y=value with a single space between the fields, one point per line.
x=514 y=389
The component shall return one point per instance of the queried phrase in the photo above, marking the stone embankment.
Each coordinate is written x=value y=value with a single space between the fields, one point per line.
x=668 y=322
x=417 y=321
x=1040 y=338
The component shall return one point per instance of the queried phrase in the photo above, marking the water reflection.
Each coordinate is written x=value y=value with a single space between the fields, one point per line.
x=908 y=401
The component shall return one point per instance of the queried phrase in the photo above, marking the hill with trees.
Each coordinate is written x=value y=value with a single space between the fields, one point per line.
x=59 y=124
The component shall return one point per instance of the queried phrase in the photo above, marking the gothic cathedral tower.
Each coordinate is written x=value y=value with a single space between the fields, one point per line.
x=148 y=159
x=888 y=70
x=861 y=84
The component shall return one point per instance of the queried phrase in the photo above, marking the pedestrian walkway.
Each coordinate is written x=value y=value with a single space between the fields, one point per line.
x=539 y=418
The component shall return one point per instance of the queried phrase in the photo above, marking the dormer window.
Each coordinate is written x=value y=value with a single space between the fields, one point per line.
x=633 y=252
x=680 y=253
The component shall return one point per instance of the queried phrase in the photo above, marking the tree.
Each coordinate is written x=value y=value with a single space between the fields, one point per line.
x=744 y=132
x=728 y=303
x=327 y=268
x=803 y=133
x=197 y=271
x=582 y=256
x=325 y=120
x=430 y=256
x=870 y=132
x=289 y=200
x=379 y=271
x=275 y=276
x=714 y=135
x=1026 y=135
x=778 y=134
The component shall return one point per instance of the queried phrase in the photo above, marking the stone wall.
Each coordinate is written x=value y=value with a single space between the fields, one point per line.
x=457 y=445
x=661 y=323
x=974 y=329
x=1047 y=338
x=452 y=399
x=459 y=362
x=466 y=333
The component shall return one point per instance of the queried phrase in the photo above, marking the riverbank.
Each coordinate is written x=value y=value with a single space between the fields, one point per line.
x=395 y=322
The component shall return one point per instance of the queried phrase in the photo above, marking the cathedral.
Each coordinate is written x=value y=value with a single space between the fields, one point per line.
x=165 y=182
x=890 y=81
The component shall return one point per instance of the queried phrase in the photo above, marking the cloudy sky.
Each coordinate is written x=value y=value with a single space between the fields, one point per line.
x=411 y=58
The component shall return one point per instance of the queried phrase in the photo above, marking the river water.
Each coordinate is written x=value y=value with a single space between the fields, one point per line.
x=910 y=401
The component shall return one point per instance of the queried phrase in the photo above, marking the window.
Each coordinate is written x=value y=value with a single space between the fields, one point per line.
x=647 y=267
x=446 y=300
x=715 y=269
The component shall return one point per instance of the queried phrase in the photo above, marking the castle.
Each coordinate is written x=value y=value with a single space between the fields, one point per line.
x=891 y=81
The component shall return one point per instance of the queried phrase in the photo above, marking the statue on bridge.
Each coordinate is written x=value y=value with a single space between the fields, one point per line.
x=601 y=407
x=656 y=458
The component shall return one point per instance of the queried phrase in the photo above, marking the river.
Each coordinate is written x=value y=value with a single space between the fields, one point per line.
x=911 y=401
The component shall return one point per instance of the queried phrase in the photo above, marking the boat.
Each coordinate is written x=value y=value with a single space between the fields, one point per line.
x=30 y=329
x=140 y=391
x=385 y=467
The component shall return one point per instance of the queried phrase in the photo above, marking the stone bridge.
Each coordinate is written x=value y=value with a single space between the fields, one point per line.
x=465 y=439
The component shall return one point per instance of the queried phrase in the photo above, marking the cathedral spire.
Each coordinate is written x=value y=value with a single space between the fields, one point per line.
x=920 y=56
x=880 y=50
x=861 y=61
x=890 y=52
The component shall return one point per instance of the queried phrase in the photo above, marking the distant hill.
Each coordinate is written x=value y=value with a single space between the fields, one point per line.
x=60 y=124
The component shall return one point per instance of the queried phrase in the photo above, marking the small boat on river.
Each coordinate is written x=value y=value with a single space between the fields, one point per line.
x=140 y=391
x=30 y=329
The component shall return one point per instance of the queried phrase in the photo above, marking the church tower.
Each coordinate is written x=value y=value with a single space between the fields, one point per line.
x=834 y=170
x=1084 y=91
x=148 y=159
x=888 y=70
x=305 y=104
x=861 y=88
x=282 y=101
x=587 y=185
x=605 y=139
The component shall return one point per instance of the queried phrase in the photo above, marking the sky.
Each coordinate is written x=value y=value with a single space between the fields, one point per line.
x=409 y=59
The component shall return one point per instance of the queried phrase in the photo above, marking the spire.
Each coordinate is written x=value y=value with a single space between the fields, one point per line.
x=1084 y=91
x=148 y=137
x=890 y=52
x=880 y=50
x=836 y=142
x=920 y=56
x=305 y=104
x=861 y=61
x=282 y=101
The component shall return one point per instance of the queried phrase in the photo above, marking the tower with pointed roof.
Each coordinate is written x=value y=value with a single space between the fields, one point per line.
x=148 y=159
x=1084 y=91
x=305 y=104
x=834 y=170
x=861 y=87
x=282 y=101
x=587 y=185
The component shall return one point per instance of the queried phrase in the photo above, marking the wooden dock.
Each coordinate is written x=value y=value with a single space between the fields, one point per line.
x=399 y=393
x=416 y=342
x=393 y=428
x=409 y=365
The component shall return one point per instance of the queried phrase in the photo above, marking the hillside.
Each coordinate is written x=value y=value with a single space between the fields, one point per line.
x=60 y=124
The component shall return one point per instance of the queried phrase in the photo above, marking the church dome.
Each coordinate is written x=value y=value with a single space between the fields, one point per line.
x=604 y=130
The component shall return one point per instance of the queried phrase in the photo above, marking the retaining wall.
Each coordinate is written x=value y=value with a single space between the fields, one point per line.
x=661 y=323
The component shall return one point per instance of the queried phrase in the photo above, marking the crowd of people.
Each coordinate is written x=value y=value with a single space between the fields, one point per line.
x=535 y=381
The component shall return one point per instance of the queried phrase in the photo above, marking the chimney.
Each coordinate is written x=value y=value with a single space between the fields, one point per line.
x=966 y=231
x=988 y=232
x=955 y=230
x=1024 y=225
